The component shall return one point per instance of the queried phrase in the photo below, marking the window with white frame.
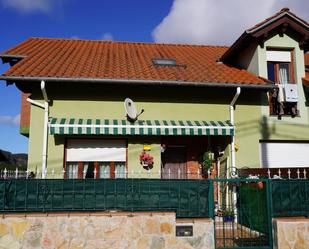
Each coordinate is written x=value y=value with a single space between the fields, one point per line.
x=96 y=158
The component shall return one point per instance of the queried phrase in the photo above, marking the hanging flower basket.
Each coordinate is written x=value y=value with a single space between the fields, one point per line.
x=146 y=160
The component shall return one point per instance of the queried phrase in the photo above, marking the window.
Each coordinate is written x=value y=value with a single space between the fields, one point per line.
x=120 y=170
x=164 y=62
x=72 y=170
x=280 y=70
x=104 y=170
x=96 y=158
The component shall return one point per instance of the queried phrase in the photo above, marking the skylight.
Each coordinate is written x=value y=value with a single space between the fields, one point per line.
x=164 y=62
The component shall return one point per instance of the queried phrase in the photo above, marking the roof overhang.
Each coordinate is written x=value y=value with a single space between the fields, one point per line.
x=12 y=79
x=12 y=59
x=281 y=23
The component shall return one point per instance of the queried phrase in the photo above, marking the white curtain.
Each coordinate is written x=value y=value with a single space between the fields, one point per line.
x=72 y=171
x=104 y=169
x=120 y=170
x=283 y=74
x=85 y=169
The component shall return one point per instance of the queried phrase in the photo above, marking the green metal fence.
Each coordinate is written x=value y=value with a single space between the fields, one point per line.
x=188 y=198
x=243 y=214
x=290 y=197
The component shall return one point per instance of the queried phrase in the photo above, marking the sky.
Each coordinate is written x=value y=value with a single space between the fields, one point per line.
x=209 y=22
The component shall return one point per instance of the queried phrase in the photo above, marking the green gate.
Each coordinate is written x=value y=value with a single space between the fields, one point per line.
x=242 y=213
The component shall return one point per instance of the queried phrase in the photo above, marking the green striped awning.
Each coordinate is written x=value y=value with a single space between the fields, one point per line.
x=64 y=126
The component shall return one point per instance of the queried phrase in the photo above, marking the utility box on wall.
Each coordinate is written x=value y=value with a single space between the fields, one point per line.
x=290 y=93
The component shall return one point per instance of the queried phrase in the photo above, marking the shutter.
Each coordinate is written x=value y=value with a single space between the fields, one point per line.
x=284 y=154
x=96 y=150
x=278 y=56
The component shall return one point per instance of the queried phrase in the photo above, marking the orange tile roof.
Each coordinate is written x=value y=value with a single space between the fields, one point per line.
x=273 y=17
x=68 y=58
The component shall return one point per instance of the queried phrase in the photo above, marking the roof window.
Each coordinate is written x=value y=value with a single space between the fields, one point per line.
x=164 y=62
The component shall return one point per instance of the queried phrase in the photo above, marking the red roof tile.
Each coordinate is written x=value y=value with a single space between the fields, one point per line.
x=276 y=15
x=68 y=58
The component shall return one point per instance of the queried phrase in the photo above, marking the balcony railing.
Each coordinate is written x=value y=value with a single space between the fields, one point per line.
x=63 y=174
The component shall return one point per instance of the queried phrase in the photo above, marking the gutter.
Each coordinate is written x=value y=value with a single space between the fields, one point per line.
x=140 y=82
x=45 y=127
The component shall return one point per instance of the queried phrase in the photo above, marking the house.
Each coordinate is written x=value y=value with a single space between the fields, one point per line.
x=240 y=106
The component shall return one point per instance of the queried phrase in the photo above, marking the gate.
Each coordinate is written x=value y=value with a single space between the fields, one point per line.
x=242 y=214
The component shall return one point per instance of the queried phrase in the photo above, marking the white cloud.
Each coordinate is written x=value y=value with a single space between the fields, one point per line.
x=29 y=6
x=10 y=120
x=107 y=36
x=218 y=21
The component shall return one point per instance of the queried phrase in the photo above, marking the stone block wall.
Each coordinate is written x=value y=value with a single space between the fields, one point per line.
x=291 y=233
x=103 y=230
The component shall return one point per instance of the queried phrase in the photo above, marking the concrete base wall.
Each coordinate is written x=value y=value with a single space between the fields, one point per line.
x=291 y=233
x=103 y=230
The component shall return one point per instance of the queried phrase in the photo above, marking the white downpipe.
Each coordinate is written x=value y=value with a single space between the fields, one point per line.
x=232 y=104
x=44 y=106
x=45 y=131
x=35 y=103
x=233 y=156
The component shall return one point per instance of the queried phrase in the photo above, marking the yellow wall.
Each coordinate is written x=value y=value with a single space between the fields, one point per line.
x=252 y=118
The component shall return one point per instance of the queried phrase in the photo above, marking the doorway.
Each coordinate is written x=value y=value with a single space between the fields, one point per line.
x=174 y=162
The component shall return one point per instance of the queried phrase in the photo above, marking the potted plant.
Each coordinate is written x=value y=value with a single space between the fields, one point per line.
x=146 y=160
x=228 y=215
x=206 y=161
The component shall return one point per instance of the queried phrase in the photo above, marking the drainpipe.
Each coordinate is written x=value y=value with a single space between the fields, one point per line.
x=232 y=106
x=44 y=106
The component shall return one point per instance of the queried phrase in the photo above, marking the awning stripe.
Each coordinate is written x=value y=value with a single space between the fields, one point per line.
x=63 y=126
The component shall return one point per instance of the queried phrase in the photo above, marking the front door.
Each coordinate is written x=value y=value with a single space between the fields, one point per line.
x=174 y=162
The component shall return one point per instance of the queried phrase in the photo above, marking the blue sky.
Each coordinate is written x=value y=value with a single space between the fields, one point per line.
x=173 y=21
x=118 y=20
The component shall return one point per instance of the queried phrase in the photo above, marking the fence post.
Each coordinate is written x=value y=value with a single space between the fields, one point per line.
x=305 y=174
x=269 y=210
x=211 y=203
x=268 y=172
x=5 y=173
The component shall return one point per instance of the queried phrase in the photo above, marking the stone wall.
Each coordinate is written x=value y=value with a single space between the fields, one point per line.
x=291 y=233
x=102 y=230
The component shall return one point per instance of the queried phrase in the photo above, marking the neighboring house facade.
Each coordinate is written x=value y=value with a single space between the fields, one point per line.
x=185 y=91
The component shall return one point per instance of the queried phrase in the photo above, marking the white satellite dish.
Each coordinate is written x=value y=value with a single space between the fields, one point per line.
x=131 y=111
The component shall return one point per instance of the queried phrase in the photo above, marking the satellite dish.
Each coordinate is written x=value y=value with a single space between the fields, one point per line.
x=131 y=111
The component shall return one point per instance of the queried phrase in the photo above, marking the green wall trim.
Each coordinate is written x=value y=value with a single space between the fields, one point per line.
x=24 y=130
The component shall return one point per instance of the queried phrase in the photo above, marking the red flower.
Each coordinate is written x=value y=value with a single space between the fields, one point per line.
x=146 y=159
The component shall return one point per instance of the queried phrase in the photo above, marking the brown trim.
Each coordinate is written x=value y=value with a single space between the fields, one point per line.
x=65 y=159
x=97 y=170
x=80 y=170
x=283 y=141
x=292 y=78
x=283 y=20
x=112 y=170
x=267 y=29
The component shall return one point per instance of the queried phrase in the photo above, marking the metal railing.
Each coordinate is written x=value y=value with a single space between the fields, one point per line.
x=275 y=173
x=97 y=174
